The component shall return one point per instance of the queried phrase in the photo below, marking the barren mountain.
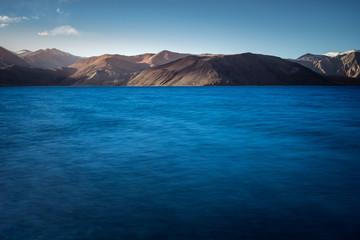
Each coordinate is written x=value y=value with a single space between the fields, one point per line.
x=242 y=69
x=50 y=58
x=8 y=58
x=162 y=57
x=101 y=70
x=192 y=70
x=342 y=65
x=337 y=64
x=104 y=70
x=114 y=69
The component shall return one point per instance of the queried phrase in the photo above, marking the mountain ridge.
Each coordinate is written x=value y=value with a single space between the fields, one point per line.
x=168 y=68
x=228 y=70
x=50 y=58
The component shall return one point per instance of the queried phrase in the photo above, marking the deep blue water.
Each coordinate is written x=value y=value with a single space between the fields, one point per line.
x=180 y=163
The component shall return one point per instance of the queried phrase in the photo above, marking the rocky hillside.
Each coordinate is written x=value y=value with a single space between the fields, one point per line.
x=333 y=64
x=104 y=70
x=228 y=70
x=113 y=69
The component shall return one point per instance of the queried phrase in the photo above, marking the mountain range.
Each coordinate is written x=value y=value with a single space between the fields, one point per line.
x=228 y=70
x=52 y=67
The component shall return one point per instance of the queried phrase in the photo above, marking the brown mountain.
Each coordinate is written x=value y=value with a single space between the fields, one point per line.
x=113 y=69
x=342 y=65
x=162 y=57
x=8 y=58
x=103 y=70
x=50 y=58
x=95 y=71
x=242 y=69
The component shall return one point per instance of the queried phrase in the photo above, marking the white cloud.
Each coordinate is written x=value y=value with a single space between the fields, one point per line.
x=6 y=19
x=35 y=17
x=45 y=33
x=59 y=11
x=62 y=30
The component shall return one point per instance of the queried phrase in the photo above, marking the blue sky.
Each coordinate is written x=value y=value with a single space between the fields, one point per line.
x=87 y=28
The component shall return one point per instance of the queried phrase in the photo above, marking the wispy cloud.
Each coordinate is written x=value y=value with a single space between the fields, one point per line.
x=6 y=19
x=45 y=33
x=62 y=30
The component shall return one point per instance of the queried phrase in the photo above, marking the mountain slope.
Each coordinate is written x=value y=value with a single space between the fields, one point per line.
x=8 y=58
x=342 y=65
x=242 y=69
x=339 y=65
x=312 y=57
x=103 y=70
x=50 y=58
x=162 y=57
x=114 y=69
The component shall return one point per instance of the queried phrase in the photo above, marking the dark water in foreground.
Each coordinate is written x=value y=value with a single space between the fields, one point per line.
x=180 y=163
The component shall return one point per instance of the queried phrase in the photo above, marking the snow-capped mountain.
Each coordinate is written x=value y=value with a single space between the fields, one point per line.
x=335 y=54
x=340 y=64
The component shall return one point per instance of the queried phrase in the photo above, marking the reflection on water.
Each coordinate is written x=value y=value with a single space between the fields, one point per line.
x=180 y=163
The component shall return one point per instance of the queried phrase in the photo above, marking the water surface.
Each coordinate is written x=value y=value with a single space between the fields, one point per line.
x=180 y=163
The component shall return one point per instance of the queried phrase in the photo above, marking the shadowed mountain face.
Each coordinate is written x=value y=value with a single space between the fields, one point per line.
x=242 y=69
x=338 y=65
x=24 y=76
x=8 y=58
x=50 y=58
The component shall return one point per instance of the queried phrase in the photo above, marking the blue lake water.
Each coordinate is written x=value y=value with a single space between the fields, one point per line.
x=180 y=163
